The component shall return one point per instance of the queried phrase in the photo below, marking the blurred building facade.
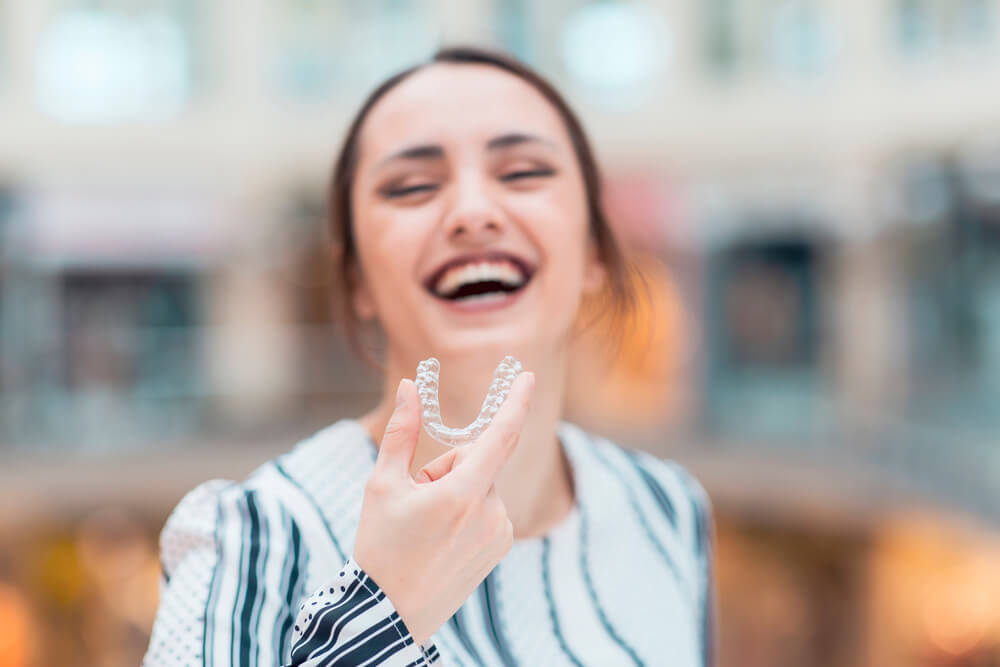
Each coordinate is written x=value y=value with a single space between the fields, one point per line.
x=810 y=188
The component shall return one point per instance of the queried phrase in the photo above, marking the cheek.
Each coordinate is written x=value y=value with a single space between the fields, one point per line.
x=558 y=223
x=388 y=246
x=384 y=226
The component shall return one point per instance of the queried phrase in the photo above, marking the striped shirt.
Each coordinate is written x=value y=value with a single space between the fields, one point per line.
x=260 y=572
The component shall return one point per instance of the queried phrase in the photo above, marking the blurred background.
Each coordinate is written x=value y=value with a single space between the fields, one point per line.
x=810 y=187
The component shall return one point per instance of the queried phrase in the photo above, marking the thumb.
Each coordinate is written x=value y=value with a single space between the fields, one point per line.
x=395 y=454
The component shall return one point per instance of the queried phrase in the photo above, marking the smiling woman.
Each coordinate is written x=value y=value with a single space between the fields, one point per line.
x=549 y=155
x=466 y=214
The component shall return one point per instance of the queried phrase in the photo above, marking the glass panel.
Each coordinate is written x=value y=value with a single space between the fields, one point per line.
x=104 y=61
x=721 y=41
x=3 y=45
x=622 y=48
x=515 y=28
x=937 y=27
x=792 y=37
x=766 y=377
x=953 y=299
x=803 y=41
x=325 y=45
x=307 y=62
x=914 y=26
x=6 y=356
x=973 y=23
x=392 y=34
x=119 y=362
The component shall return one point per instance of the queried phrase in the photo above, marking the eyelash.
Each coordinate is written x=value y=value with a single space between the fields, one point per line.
x=513 y=176
x=527 y=173
x=402 y=192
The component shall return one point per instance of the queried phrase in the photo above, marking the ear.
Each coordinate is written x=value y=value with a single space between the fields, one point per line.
x=594 y=272
x=362 y=300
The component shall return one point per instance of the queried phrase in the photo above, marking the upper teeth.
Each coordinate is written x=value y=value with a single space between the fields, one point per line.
x=500 y=271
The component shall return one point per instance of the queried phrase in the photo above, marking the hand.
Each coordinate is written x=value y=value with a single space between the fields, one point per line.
x=429 y=542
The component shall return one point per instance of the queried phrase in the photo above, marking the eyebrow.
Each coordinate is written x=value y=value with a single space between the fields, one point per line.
x=515 y=138
x=436 y=152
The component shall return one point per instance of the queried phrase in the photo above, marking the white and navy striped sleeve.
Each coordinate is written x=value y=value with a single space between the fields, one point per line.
x=688 y=506
x=701 y=533
x=352 y=622
x=234 y=568
x=704 y=542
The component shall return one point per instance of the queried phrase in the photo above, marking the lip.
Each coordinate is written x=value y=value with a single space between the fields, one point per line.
x=525 y=267
x=495 y=303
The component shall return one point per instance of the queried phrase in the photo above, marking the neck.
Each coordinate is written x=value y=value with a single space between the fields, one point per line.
x=536 y=483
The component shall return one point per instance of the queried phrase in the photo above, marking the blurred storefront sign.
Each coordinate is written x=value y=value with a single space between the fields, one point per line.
x=645 y=209
x=121 y=228
x=109 y=287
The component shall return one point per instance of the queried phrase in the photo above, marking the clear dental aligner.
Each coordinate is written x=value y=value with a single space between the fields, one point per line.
x=427 y=387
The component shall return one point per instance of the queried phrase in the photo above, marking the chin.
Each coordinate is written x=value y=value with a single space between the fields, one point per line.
x=522 y=339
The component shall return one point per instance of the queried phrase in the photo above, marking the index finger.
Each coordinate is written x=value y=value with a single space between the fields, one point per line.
x=490 y=451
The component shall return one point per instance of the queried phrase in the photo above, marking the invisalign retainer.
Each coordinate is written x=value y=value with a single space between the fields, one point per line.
x=427 y=388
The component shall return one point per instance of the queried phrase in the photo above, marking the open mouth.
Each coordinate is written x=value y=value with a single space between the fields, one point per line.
x=480 y=277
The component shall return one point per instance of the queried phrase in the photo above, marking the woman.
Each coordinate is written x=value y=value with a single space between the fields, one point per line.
x=465 y=206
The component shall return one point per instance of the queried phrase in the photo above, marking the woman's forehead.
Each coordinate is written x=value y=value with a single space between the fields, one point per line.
x=448 y=104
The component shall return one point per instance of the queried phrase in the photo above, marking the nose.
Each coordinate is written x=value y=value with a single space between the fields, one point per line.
x=474 y=217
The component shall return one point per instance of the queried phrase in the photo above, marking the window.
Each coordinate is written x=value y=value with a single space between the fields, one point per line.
x=3 y=45
x=351 y=44
x=788 y=38
x=765 y=376
x=619 y=50
x=307 y=62
x=927 y=29
x=6 y=209
x=803 y=43
x=128 y=353
x=515 y=28
x=722 y=49
x=953 y=294
x=108 y=61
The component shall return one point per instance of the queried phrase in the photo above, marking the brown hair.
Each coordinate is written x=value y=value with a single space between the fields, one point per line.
x=619 y=286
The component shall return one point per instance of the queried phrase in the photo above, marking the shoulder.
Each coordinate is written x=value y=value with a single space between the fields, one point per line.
x=674 y=478
x=218 y=514
x=666 y=477
x=268 y=500
x=653 y=481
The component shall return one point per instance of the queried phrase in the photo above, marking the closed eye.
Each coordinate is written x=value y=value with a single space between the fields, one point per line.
x=526 y=173
x=392 y=193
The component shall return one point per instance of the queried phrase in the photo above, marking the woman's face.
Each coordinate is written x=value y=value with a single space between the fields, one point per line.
x=470 y=216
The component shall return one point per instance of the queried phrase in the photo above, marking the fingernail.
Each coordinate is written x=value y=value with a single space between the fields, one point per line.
x=400 y=396
x=531 y=378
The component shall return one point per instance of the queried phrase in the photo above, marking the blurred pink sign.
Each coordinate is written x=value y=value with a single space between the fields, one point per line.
x=114 y=227
x=642 y=207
